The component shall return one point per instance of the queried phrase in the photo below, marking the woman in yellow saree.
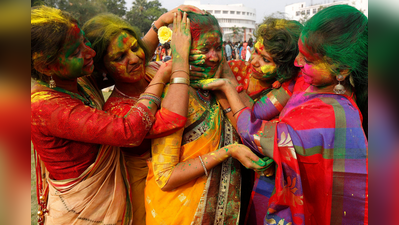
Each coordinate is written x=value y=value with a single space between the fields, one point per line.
x=192 y=178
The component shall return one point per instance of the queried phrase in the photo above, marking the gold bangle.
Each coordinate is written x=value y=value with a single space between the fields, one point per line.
x=180 y=71
x=180 y=80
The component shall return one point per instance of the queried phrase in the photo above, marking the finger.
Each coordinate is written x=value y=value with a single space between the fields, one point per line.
x=195 y=52
x=184 y=21
x=197 y=76
x=178 y=20
x=196 y=57
x=188 y=28
x=197 y=68
x=197 y=62
x=174 y=22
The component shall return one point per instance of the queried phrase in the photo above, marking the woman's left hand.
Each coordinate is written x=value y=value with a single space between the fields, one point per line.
x=167 y=18
x=212 y=84
x=165 y=71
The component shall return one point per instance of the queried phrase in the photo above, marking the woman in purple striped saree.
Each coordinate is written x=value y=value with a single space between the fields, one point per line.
x=318 y=141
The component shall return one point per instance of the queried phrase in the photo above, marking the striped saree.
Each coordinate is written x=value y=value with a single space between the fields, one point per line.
x=320 y=151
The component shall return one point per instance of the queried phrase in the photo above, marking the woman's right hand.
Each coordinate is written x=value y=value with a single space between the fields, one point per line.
x=181 y=38
x=247 y=158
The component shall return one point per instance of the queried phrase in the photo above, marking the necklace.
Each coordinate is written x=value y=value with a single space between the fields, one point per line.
x=125 y=95
x=85 y=98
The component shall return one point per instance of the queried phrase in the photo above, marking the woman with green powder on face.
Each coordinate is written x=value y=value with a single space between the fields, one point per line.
x=318 y=142
x=81 y=177
x=124 y=57
x=192 y=179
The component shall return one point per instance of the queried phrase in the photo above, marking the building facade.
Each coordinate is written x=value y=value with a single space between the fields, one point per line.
x=300 y=12
x=231 y=17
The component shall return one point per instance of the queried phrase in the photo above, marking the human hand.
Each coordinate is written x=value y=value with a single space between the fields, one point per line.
x=247 y=158
x=164 y=72
x=167 y=18
x=212 y=84
x=268 y=169
x=181 y=38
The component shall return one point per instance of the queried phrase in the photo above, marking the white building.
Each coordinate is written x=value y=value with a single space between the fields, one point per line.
x=229 y=16
x=299 y=11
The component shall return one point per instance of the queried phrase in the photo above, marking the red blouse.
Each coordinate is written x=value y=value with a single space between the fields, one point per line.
x=66 y=133
x=166 y=122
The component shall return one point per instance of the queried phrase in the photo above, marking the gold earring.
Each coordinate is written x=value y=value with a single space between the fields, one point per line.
x=339 y=88
x=52 y=82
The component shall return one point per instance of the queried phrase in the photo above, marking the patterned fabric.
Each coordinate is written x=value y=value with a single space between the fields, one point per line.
x=100 y=195
x=212 y=200
x=85 y=189
x=321 y=153
x=60 y=124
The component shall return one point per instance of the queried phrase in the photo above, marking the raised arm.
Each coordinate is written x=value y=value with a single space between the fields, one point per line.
x=151 y=37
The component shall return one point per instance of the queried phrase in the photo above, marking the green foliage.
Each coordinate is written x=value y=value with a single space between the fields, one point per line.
x=143 y=13
x=83 y=10
x=116 y=7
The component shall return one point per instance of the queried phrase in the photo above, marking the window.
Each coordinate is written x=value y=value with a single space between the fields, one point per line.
x=308 y=11
x=232 y=12
x=303 y=12
x=247 y=13
x=217 y=11
x=314 y=11
x=225 y=12
x=210 y=11
x=302 y=6
x=238 y=12
x=298 y=13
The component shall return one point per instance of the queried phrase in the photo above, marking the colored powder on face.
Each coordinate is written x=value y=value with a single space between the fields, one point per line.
x=268 y=69
x=122 y=39
x=259 y=44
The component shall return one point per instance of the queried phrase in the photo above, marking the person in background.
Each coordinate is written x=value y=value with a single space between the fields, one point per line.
x=167 y=52
x=228 y=50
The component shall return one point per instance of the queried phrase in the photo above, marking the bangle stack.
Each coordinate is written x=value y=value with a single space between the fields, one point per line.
x=151 y=97
x=155 y=84
x=203 y=165
x=180 y=71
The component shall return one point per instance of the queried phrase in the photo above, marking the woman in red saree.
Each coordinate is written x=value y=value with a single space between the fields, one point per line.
x=318 y=141
x=81 y=176
x=118 y=51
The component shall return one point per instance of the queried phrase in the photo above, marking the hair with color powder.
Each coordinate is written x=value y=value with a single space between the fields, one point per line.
x=340 y=35
x=280 y=38
x=101 y=29
x=50 y=30
x=201 y=24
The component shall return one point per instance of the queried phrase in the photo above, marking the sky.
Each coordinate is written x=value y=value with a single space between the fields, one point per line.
x=263 y=7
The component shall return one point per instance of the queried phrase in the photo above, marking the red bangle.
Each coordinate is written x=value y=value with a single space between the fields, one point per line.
x=239 y=88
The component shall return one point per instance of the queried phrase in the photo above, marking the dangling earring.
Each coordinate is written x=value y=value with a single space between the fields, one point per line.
x=105 y=76
x=339 y=88
x=52 y=82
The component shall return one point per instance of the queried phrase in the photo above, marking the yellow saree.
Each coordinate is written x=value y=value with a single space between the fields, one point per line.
x=206 y=200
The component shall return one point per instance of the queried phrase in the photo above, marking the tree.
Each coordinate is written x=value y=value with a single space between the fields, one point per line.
x=82 y=10
x=236 y=33
x=144 y=12
x=116 y=7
